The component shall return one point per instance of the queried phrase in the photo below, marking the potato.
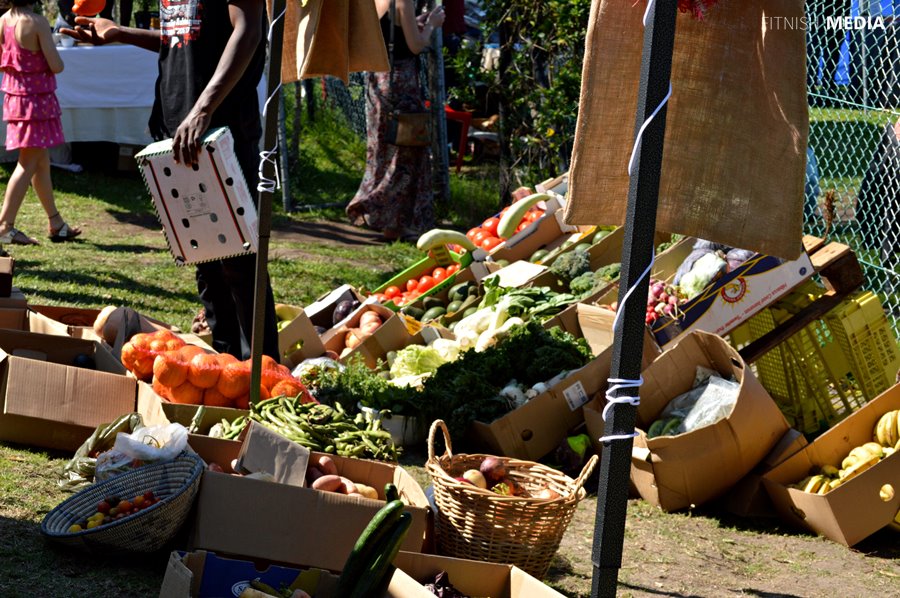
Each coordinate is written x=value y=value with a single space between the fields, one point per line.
x=353 y=339
x=369 y=316
x=346 y=486
x=329 y=483
x=367 y=491
x=326 y=465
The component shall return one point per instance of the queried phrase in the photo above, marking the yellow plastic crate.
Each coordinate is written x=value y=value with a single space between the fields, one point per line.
x=864 y=333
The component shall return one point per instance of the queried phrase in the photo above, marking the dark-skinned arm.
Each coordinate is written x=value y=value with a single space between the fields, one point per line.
x=105 y=31
x=246 y=19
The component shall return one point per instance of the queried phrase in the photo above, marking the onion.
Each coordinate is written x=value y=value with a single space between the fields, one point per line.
x=493 y=469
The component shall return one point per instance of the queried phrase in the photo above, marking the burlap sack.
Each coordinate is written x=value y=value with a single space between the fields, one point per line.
x=736 y=128
x=331 y=37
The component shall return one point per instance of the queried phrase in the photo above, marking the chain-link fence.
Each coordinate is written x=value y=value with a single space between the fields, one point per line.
x=853 y=170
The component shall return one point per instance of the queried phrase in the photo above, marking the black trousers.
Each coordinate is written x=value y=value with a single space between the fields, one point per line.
x=227 y=286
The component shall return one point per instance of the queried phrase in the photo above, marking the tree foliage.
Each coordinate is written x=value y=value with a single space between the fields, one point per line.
x=537 y=83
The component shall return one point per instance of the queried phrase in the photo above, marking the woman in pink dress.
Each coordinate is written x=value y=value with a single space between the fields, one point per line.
x=29 y=61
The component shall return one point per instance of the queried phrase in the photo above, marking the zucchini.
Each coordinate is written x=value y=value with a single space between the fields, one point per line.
x=364 y=551
x=386 y=553
x=514 y=215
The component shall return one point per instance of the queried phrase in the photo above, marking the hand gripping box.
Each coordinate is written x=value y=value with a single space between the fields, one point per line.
x=206 y=211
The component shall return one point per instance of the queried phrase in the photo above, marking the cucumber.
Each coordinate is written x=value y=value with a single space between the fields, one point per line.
x=365 y=551
x=538 y=256
x=413 y=311
x=439 y=236
x=453 y=307
x=656 y=428
x=386 y=552
x=671 y=425
x=433 y=313
x=430 y=302
x=513 y=216
x=391 y=493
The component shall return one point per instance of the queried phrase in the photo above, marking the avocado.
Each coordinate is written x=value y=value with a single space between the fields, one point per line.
x=430 y=302
x=473 y=291
x=581 y=247
x=470 y=311
x=538 y=256
x=453 y=307
x=459 y=292
x=413 y=312
x=599 y=235
x=433 y=313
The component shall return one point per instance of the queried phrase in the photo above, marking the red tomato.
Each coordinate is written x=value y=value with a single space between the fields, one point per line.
x=439 y=274
x=392 y=291
x=381 y=297
x=426 y=283
x=452 y=269
x=472 y=232
x=522 y=226
x=490 y=225
x=411 y=284
x=480 y=236
x=399 y=301
x=489 y=243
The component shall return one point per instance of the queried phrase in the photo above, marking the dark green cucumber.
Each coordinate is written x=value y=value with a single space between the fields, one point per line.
x=362 y=556
x=385 y=553
x=391 y=492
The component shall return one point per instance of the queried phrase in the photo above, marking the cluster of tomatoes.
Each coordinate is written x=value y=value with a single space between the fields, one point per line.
x=485 y=236
x=416 y=287
x=112 y=508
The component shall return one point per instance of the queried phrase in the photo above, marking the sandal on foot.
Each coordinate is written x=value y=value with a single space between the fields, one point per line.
x=64 y=233
x=16 y=237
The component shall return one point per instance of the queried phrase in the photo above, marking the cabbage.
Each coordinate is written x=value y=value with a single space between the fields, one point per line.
x=416 y=360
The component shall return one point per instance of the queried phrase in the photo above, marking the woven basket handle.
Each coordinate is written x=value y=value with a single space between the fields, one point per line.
x=448 y=451
x=586 y=472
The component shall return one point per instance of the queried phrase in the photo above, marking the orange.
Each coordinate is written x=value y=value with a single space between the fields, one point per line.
x=226 y=358
x=203 y=370
x=270 y=378
x=163 y=334
x=143 y=366
x=157 y=345
x=188 y=351
x=163 y=391
x=243 y=402
x=187 y=393
x=141 y=340
x=128 y=356
x=169 y=369
x=234 y=381
x=214 y=398
x=287 y=387
x=267 y=363
x=88 y=8
x=174 y=343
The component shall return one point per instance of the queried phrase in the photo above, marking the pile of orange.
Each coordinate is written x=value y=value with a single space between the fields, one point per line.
x=184 y=373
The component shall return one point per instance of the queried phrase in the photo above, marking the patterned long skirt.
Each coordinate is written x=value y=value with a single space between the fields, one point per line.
x=395 y=192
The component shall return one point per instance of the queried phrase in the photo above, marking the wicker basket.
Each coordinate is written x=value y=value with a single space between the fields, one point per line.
x=174 y=482
x=481 y=525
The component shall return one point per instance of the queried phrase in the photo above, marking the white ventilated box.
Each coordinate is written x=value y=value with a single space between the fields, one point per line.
x=206 y=211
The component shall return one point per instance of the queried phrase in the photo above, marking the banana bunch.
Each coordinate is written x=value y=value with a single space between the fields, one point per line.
x=887 y=430
x=857 y=461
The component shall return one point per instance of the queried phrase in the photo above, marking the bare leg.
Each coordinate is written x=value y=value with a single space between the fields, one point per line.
x=43 y=187
x=17 y=186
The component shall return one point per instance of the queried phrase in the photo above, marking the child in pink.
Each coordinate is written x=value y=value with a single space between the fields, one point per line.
x=29 y=61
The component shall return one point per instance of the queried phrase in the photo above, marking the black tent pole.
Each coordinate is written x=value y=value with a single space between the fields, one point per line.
x=637 y=253
x=270 y=144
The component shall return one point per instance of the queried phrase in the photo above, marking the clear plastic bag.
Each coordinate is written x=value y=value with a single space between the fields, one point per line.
x=79 y=472
x=149 y=444
x=711 y=400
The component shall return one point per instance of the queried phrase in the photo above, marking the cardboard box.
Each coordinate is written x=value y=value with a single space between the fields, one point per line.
x=15 y=299
x=28 y=321
x=202 y=574
x=535 y=429
x=156 y=410
x=732 y=298
x=549 y=232
x=6 y=276
x=50 y=403
x=206 y=213
x=299 y=330
x=294 y=525
x=79 y=321
x=855 y=509
x=266 y=451
x=687 y=470
x=475 y=578
x=321 y=310
x=749 y=498
x=393 y=334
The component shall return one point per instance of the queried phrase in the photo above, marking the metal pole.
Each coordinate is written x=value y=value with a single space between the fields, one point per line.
x=287 y=202
x=637 y=252
x=270 y=143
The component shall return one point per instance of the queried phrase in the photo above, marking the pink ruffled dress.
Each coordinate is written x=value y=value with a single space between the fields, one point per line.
x=30 y=107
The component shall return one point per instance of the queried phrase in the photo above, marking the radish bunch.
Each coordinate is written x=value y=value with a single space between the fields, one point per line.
x=662 y=300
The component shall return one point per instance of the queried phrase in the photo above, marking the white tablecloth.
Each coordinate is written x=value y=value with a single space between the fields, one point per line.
x=106 y=93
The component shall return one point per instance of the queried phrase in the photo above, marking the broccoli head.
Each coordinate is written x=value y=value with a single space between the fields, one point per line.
x=582 y=284
x=571 y=265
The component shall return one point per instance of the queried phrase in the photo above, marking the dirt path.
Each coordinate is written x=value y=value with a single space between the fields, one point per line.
x=325 y=232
